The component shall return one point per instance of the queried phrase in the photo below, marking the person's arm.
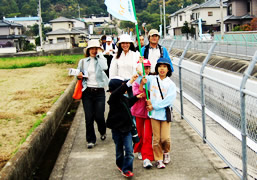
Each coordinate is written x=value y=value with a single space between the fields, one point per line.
x=168 y=99
x=101 y=60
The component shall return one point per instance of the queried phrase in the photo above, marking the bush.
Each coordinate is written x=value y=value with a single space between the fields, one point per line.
x=28 y=46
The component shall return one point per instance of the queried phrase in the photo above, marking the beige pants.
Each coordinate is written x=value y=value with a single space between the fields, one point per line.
x=161 y=138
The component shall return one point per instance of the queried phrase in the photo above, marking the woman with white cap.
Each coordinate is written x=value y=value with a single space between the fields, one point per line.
x=125 y=63
x=93 y=96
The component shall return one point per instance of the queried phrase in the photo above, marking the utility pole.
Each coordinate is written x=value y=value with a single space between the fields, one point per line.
x=40 y=23
x=161 y=20
x=221 y=21
x=164 y=20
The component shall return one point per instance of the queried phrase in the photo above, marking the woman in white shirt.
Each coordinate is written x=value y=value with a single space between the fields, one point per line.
x=93 y=96
x=125 y=63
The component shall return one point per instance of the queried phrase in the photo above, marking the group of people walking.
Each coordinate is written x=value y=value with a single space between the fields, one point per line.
x=120 y=68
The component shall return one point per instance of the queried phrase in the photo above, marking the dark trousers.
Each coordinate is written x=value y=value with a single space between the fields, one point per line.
x=109 y=60
x=124 y=150
x=94 y=107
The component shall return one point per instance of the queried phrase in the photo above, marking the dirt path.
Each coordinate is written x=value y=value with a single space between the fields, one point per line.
x=26 y=94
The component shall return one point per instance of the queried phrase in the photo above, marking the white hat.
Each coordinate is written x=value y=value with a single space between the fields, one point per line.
x=124 y=38
x=108 y=38
x=92 y=43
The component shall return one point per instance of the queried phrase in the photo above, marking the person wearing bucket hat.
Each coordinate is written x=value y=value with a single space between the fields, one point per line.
x=125 y=62
x=109 y=50
x=120 y=122
x=143 y=122
x=163 y=94
x=153 y=51
x=93 y=93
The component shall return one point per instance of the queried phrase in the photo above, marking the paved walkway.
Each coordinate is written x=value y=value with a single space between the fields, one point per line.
x=190 y=158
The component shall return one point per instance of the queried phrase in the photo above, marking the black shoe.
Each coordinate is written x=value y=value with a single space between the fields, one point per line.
x=103 y=137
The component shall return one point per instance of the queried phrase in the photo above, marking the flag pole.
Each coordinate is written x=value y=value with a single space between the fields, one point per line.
x=139 y=45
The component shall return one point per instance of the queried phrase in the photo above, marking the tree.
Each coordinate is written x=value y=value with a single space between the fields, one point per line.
x=185 y=29
x=253 y=24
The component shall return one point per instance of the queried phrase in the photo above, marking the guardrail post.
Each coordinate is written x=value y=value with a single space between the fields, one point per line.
x=171 y=45
x=180 y=77
x=242 y=113
x=202 y=88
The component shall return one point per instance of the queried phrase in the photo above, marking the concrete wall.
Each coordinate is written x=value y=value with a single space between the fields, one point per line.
x=62 y=25
x=8 y=50
x=56 y=46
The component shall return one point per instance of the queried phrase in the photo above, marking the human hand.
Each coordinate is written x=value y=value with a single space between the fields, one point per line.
x=99 y=50
x=141 y=95
x=80 y=76
x=148 y=102
x=149 y=108
x=143 y=81
x=141 y=59
x=133 y=78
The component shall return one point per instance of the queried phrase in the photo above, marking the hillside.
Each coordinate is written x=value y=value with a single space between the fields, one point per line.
x=70 y=8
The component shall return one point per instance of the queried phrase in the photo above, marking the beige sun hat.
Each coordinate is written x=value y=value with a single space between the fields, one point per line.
x=92 y=43
x=124 y=38
x=153 y=32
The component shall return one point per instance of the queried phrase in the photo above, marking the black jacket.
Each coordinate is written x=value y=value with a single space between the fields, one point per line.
x=119 y=117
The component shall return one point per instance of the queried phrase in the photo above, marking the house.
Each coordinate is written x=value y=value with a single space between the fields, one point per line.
x=25 y=21
x=98 y=21
x=239 y=12
x=178 y=19
x=11 y=35
x=210 y=13
x=64 y=34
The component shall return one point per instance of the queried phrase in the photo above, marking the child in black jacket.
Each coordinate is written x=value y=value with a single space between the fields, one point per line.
x=120 y=121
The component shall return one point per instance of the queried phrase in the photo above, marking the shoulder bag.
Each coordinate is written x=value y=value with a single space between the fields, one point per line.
x=168 y=110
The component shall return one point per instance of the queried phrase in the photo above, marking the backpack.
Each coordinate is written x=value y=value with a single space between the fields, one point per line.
x=146 y=52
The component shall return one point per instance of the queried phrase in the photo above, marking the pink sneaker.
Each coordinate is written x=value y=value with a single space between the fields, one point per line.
x=160 y=164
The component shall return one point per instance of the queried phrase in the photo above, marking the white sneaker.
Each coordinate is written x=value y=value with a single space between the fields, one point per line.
x=166 y=158
x=160 y=164
x=139 y=156
x=147 y=164
x=90 y=145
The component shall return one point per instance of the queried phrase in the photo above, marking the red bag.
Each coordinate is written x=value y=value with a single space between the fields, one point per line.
x=78 y=90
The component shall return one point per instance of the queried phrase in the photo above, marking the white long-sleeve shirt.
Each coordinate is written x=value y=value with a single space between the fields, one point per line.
x=125 y=66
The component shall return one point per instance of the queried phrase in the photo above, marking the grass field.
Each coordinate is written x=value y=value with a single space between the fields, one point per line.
x=29 y=86
x=28 y=62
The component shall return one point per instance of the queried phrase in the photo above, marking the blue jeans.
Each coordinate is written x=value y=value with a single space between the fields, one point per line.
x=94 y=107
x=123 y=142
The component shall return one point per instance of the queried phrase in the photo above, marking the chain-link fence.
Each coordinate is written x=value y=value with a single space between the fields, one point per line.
x=243 y=49
x=228 y=110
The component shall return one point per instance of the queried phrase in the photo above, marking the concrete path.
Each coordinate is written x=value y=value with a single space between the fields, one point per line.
x=190 y=158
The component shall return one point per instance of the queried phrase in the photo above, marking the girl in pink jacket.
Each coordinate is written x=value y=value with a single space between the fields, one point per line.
x=143 y=122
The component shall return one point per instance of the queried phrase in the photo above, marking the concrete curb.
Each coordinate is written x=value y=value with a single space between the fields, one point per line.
x=60 y=164
x=23 y=162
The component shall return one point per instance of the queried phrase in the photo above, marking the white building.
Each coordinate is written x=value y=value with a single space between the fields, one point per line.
x=25 y=21
x=178 y=19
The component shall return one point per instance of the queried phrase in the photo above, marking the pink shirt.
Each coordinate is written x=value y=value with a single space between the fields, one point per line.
x=139 y=108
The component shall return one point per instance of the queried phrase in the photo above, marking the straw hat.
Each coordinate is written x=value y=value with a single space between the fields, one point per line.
x=124 y=38
x=92 y=43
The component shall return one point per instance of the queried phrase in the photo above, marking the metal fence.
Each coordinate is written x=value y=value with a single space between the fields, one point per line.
x=228 y=113
x=244 y=50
